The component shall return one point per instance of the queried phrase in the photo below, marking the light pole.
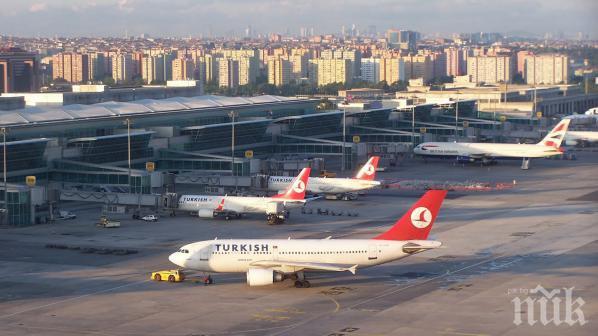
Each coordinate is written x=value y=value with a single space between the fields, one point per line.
x=413 y=127
x=3 y=130
x=232 y=115
x=457 y=120
x=128 y=122
x=344 y=137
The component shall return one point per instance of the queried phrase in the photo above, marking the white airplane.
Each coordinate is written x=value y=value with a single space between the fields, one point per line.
x=488 y=152
x=274 y=207
x=266 y=261
x=573 y=137
x=340 y=188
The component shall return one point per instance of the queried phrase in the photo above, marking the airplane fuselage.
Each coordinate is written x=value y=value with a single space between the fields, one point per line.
x=237 y=256
x=237 y=204
x=324 y=185
x=484 y=150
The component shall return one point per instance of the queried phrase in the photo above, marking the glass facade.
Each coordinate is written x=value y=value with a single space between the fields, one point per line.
x=113 y=148
x=218 y=136
x=23 y=155
x=18 y=206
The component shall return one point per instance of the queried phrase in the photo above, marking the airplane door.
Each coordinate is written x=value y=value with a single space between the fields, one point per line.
x=204 y=253
x=274 y=252
x=372 y=252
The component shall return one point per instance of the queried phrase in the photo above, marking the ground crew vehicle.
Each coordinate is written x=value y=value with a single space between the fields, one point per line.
x=169 y=275
x=106 y=223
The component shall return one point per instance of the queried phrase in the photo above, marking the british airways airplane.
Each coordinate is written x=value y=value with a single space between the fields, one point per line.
x=275 y=207
x=486 y=152
x=266 y=261
x=341 y=188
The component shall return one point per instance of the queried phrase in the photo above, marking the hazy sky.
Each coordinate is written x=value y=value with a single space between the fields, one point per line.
x=200 y=17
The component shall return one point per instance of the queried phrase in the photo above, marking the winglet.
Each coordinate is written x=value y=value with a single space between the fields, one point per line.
x=368 y=171
x=353 y=269
x=417 y=222
x=297 y=188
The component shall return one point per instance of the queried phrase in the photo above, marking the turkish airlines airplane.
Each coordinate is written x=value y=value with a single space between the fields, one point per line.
x=274 y=207
x=342 y=188
x=487 y=152
x=266 y=261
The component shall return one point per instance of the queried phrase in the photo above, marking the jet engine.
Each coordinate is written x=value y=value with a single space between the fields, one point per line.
x=263 y=276
x=206 y=213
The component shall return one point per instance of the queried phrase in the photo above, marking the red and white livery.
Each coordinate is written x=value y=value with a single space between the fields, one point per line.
x=266 y=261
x=339 y=187
x=275 y=207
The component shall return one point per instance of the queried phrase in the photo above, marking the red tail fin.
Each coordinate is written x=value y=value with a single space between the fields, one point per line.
x=417 y=222
x=368 y=171
x=297 y=188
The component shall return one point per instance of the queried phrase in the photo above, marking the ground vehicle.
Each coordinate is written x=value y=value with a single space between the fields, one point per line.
x=106 y=223
x=169 y=275
x=66 y=215
x=327 y=174
x=150 y=218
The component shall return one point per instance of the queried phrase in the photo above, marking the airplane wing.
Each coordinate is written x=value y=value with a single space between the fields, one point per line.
x=305 y=266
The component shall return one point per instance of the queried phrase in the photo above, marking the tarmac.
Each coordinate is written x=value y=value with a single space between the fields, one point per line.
x=73 y=278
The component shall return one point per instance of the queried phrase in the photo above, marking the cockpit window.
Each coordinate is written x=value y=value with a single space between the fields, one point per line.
x=183 y=251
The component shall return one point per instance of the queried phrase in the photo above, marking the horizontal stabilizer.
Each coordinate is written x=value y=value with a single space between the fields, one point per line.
x=414 y=246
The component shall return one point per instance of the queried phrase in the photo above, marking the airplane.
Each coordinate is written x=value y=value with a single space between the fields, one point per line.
x=573 y=137
x=266 y=261
x=338 y=188
x=275 y=207
x=488 y=152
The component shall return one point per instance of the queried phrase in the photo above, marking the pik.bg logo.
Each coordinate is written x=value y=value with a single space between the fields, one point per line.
x=421 y=217
x=555 y=306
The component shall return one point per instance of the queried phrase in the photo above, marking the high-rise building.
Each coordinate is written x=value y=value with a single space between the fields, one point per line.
x=228 y=72
x=18 y=71
x=279 y=71
x=490 y=69
x=456 y=61
x=392 y=70
x=298 y=66
x=521 y=56
x=96 y=66
x=208 y=68
x=333 y=71
x=182 y=69
x=370 y=69
x=546 y=69
x=72 y=67
x=402 y=39
x=152 y=69
x=419 y=66
x=122 y=68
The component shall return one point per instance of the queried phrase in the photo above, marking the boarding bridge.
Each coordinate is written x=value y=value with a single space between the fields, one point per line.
x=153 y=200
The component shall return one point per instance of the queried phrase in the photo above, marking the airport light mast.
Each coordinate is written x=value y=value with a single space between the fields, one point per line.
x=4 y=130
x=232 y=115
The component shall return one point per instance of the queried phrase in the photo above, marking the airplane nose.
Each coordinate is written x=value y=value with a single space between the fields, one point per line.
x=175 y=259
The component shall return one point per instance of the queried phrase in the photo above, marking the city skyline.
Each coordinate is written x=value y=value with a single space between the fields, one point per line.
x=179 y=18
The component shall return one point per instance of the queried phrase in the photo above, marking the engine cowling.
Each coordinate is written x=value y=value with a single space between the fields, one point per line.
x=262 y=276
x=206 y=213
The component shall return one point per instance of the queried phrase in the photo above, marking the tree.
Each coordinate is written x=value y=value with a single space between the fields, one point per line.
x=108 y=80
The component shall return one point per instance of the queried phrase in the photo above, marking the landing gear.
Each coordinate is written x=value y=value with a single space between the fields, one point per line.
x=302 y=284
x=300 y=281
x=274 y=219
x=525 y=164
x=207 y=280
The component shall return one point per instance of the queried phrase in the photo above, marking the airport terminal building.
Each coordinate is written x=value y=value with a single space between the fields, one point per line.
x=82 y=152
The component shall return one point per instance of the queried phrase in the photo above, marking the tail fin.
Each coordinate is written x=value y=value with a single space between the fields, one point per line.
x=417 y=222
x=556 y=136
x=368 y=171
x=297 y=188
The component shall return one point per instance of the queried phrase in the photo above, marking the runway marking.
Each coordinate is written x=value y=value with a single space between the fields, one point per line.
x=72 y=299
x=338 y=306
x=453 y=332
x=386 y=292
